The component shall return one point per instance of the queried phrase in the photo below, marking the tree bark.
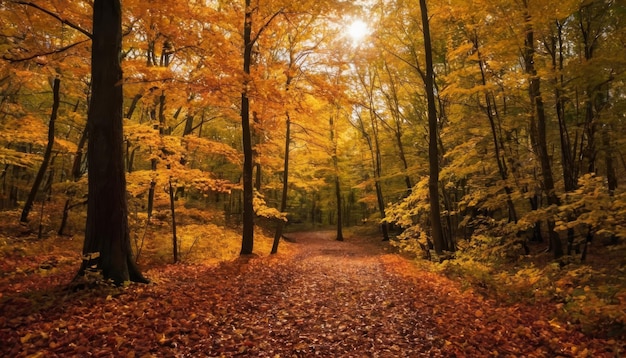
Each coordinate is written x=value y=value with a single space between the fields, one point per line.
x=333 y=140
x=538 y=131
x=107 y=241
x=173 y=210
x=433 y=150
x=247 y=240
x=47 y=154
x=490 y=110
x=283 y=200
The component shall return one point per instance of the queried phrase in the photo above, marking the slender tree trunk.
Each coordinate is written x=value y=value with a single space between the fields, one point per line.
x=107 y=240
x=397 y=127
x=538 y=131
x=611 y=176
x=77 y=171
x=76 y=174
x=133 y=105
x=283 y=199
x=188 y=124
x=433 y=150
x=47 y=154
x=247 y=241
x=567 y=156
x=491 y=111
x=173 y=210
x=333 y=140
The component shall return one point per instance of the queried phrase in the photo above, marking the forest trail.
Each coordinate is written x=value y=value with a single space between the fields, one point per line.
x=325 y=298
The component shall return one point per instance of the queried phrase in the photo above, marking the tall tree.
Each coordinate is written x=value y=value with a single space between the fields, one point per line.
x=247 y=240
x=433 y=150
x=335 y=159
x=47 y=154
x=107 y=241
x=538 y=124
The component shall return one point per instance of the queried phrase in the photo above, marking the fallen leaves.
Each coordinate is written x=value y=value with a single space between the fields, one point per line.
x=328 y=299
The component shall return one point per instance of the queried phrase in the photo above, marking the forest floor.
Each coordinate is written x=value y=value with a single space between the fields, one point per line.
x=318 y=298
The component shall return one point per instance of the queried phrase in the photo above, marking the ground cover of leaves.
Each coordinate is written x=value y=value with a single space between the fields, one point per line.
x=325 y=298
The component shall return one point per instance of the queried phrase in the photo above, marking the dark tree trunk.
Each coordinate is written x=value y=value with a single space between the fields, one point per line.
x=188 y=124
x=107 y=241
x=433 y=150
x=174 y=237
x=491 y=111
x=611 y=176
x=77 y=166
x=133 y=105
x=538 y=132
x=333 y=140
x=567 y=151
x=247 y=240
x=283 y=200
x=47 y=154
x=397 y=128
x=77 y=172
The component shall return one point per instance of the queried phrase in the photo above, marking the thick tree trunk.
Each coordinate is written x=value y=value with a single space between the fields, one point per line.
x=47 y=154
x=433 y=150
x=107 y=241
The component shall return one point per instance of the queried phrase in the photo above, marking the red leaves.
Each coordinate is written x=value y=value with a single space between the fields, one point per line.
x=332 y=299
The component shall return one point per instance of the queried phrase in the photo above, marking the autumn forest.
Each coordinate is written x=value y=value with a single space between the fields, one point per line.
x=297 y=178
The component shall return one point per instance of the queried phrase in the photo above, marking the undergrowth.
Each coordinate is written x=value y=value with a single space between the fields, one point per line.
x=589 y=294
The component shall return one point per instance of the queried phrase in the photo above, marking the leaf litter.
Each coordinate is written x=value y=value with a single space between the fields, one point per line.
x=325 y=298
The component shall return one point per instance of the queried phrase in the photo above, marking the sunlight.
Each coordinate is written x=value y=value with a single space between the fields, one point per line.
x=357 y=30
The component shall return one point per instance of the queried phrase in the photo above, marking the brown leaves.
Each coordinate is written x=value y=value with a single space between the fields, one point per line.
x=331 y=299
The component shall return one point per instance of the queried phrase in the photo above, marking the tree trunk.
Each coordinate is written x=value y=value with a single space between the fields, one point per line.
x=611 y=176
x=247 y=240
x=567 y=151
x=107 y=241
x=333 y=142
x=174 y=237
x=491 y=111
x=76 y=174
x=283 y=199
x=133 y=105
x=433 y=150
x=538 y=132
x=47 y=154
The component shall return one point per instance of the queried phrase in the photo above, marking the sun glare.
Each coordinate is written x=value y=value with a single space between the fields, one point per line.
x=357 y=30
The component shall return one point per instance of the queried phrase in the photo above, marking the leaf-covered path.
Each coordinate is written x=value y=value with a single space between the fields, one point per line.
x=327 y=298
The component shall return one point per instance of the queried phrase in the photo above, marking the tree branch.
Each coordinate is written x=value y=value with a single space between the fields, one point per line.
x=59 y=50
x=56 y=16
x=266 y=25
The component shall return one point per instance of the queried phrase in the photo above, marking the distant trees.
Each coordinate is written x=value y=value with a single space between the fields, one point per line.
x=518 y=118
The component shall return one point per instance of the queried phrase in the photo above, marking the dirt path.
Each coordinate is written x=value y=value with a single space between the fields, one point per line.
x=328 y=299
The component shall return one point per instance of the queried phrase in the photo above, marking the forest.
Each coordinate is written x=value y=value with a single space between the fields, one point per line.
x=297 y=178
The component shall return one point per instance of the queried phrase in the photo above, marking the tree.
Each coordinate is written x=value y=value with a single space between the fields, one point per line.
x=107 y=241
x=538 y=123
x=46 y=156
x=247 y=240
x=335 y=159
x=433 y=150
